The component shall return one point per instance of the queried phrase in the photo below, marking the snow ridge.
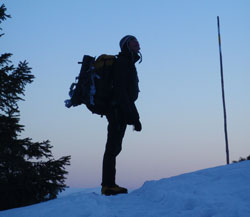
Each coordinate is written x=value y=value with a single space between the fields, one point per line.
x=216 y=192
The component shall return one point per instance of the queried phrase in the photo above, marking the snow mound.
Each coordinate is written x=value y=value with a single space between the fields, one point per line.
x=216 y=192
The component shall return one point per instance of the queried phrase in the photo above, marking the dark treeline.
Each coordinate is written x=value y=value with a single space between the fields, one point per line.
x=28 y=172
x=242 y=159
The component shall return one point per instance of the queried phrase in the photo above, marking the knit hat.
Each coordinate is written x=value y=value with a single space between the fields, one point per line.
x=125 y=40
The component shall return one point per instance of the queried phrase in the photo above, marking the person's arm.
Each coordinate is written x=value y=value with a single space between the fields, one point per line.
x=128 y=107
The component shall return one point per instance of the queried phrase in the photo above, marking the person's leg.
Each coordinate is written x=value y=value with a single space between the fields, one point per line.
x=116 y=131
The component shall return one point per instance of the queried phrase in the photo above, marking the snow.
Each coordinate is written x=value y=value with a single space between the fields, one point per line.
x=222 y=191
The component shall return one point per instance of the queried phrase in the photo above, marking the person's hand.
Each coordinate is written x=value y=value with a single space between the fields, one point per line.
x=137 y=126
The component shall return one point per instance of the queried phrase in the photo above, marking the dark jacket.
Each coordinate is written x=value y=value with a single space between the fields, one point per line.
x=126 y=88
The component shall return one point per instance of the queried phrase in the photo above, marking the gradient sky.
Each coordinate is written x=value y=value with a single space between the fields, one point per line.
x=180 y=101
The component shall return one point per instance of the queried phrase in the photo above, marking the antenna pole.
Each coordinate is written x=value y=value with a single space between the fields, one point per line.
x=223 y=92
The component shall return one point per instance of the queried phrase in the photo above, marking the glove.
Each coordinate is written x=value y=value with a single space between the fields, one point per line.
x=137 y=126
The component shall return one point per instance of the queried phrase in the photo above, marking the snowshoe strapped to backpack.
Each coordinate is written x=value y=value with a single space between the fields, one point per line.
x=93 y=87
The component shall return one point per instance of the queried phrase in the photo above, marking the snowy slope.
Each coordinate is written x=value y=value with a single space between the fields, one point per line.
x=217 y=192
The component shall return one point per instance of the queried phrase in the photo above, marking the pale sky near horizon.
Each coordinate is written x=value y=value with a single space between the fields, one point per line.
x=180 y=100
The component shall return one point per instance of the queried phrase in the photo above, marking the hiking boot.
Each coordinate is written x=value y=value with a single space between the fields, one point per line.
x=114 y=190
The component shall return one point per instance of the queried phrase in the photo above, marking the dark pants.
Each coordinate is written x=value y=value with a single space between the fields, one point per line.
x=116 y=130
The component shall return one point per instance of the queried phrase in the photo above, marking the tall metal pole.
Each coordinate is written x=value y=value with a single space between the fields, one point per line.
x=223 y=93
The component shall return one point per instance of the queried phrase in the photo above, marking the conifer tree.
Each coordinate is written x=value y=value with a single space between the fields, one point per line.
x=28 y=172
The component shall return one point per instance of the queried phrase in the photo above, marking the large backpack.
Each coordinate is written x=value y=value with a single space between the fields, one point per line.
x=93 y=87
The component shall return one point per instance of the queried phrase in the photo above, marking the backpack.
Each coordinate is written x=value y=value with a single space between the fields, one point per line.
x=94 y=84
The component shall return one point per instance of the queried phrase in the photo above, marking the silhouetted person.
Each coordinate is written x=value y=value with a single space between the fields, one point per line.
x=122 y=112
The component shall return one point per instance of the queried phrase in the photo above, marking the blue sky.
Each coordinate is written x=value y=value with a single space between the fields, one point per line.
x=180 y=100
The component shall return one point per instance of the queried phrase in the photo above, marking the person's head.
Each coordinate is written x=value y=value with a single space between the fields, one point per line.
x=130 y=43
